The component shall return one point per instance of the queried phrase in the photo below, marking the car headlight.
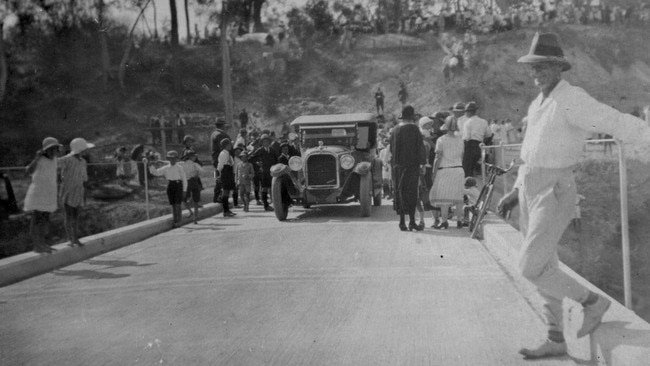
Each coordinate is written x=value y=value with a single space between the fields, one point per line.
x=295 y=163
x=347 y=162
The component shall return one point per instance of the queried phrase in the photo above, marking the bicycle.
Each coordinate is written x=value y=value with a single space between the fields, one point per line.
x=479 y=209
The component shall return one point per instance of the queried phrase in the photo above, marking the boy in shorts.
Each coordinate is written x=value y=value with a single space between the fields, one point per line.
x=193 y=172
x=244 y=179
x=176 y=184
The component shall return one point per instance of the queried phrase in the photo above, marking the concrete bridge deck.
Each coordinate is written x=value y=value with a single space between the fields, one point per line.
x=324 y=288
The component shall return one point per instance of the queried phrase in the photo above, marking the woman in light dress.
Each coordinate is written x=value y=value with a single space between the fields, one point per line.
x=448 y=175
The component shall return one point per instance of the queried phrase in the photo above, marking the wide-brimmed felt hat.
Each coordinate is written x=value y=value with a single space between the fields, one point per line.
x=79 y=145
x=265 y=137
x=458 y=107
x=471 y=106
x=545 y=47
x=441 y=115
x=172 y=154
x=220 y=122
x=408 y=112
x=240 y=147
x=50 y=142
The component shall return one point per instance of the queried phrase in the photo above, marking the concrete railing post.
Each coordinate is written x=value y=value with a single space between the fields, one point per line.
x=146 y=186
x=625 y=229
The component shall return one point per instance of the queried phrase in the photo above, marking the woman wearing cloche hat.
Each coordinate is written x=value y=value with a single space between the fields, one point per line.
x=559 y=120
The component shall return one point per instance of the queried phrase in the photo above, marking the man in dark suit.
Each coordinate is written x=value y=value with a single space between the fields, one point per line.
x=217 y=136
x=265 y=158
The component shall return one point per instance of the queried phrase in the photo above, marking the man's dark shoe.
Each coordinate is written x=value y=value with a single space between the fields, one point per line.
x=593 y=316
x=545 y=350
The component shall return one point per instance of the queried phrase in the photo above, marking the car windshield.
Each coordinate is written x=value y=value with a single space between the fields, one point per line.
x=343 y=135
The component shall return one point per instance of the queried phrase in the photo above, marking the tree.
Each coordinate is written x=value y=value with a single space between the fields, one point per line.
x=155 y=20
x=4 y=74
x=257 y=15
x=129 y=44
x=176 y=76
x=105 y=57
x=225 y=59
x=187 y=23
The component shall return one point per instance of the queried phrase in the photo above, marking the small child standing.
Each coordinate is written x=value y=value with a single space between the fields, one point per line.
x=192 y=172
x=471 y=194
x=176 y=184
x=41 y=194
x=244 y=179
x=74 y=176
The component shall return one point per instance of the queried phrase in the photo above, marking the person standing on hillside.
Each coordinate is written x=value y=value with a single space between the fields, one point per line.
x=407 y=149
x=402 y=94
x=216 y=137
x=379 y=101
x=560 y=119
x=181 y=123
x=475 y=132
x=243 y=119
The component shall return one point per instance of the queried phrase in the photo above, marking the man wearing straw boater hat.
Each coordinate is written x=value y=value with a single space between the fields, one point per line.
x=560 y=119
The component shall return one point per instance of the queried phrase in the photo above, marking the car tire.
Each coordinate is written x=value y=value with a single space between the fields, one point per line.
x=281 y=209
x=365 y=189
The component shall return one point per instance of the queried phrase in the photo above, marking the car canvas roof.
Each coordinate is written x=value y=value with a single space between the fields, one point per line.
x=333 y=119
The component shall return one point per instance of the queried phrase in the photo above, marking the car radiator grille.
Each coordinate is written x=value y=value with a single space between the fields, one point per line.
x=321 y=170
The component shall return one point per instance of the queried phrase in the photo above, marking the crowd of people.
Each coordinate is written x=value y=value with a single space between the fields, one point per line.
x=429 y=163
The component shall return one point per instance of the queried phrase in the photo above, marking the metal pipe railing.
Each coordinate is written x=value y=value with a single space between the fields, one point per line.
x=625 y=229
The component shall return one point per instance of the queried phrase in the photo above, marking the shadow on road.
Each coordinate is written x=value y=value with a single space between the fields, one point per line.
x=343 y=213
x=89 y=274
x=117 y=263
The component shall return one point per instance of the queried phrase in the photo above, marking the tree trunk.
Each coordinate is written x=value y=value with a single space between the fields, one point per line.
x=155 y=20
x=225 y=57
x=257 y=15
x=105 y=57
x=187 y=23
x=4 y=73
x=176 y=76
x=127 y=51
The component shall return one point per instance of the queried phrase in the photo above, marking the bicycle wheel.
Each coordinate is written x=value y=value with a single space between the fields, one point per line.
x=477 y=207
x=481 y=214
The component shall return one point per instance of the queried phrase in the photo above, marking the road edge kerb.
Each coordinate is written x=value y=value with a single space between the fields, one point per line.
x=622 y=340
x=23 y=266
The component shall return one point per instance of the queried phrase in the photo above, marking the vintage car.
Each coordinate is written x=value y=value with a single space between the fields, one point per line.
x=337 y=164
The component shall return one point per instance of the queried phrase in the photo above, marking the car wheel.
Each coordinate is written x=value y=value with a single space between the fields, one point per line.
x=281 y=209
x=365 y=195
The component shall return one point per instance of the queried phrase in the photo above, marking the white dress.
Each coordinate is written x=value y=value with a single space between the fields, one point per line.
x=448 y=184
x=41 y=194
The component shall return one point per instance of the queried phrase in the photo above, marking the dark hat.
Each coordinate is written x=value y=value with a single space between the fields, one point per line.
x=220 y=122
x=284 y=144
x=172 y=154
x=240 y=147
x=188 y=138
x=458 y=107
x=225 y=143
x=545 y=48
x=243 y=154
x=408 y=113
x=265 y=137
x=471 y=106
x=442 y=115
